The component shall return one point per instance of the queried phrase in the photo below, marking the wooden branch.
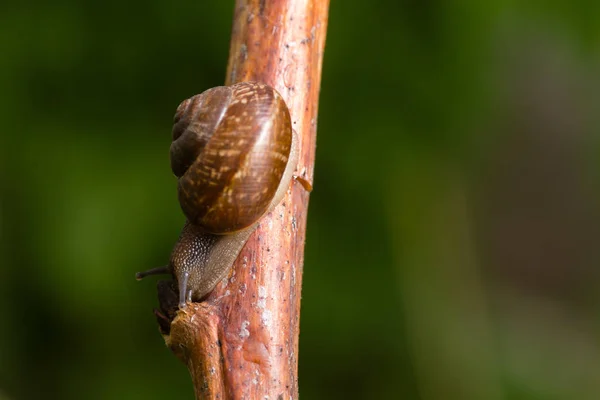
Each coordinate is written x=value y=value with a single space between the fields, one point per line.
x=242 y=342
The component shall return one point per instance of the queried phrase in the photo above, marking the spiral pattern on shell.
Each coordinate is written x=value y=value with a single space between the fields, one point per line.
x=231 y=145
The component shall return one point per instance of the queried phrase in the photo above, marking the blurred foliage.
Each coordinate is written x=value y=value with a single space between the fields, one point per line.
x=452 y=248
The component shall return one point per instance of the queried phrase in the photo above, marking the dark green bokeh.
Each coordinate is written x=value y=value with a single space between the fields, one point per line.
x=452 y=234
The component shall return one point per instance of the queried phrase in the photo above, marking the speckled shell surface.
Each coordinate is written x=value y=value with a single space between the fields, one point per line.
x=230 y=149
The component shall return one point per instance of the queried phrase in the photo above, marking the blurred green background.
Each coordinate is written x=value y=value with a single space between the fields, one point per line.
x=453 y=241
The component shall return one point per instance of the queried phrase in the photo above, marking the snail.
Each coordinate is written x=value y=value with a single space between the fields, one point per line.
x=234 y=152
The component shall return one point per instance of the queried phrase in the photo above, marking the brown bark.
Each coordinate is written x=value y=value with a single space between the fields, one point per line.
x=242 y=342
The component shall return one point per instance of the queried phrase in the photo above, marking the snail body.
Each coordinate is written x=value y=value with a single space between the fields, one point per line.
x=234 y=153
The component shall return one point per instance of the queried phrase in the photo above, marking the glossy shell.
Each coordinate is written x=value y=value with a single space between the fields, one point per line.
x=230 y=149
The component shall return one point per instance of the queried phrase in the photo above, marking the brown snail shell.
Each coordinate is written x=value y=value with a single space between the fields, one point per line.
x=230 y=149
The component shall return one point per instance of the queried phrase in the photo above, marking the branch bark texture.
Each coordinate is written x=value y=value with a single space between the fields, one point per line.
x=242 y=342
